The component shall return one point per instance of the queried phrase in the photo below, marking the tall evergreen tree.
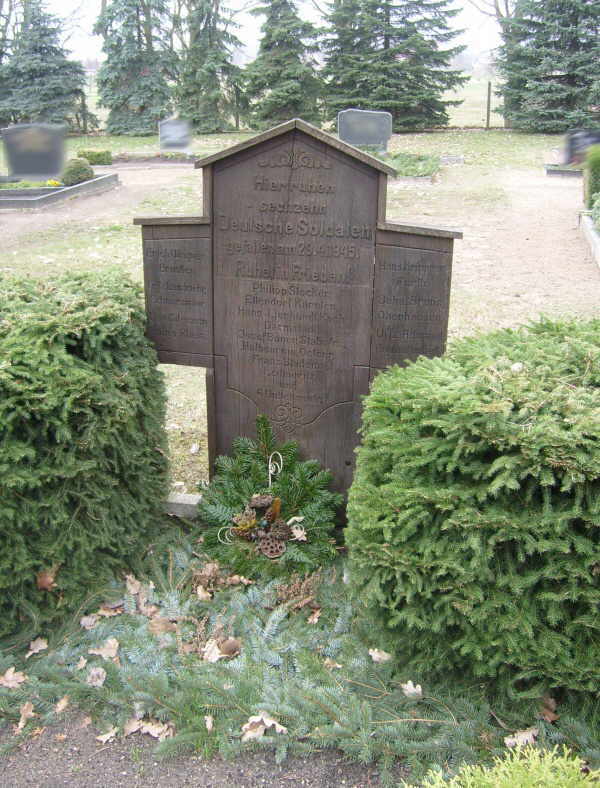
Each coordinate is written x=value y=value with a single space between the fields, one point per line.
x=550 y=61
x=401 y=59
x=282 y=81
x=207 y=93
x=38 y=82
x=133 y=80
x=345 y=49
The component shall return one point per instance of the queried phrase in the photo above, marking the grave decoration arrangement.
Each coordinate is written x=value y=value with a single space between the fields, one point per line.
x=268 y=511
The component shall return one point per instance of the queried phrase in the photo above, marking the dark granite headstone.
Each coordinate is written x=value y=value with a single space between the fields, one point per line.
x=34 y=150
x=577 y=142
x=293 y=290
x=174 y=134
x=364 y=127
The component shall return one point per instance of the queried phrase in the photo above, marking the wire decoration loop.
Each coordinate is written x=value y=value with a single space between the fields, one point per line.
x=227 y=538
x=275 y=466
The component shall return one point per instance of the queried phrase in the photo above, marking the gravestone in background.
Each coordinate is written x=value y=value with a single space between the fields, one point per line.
x=577 y=142
x=293 y=290
x=364 y=127
x=34 y=150
x=174 y=135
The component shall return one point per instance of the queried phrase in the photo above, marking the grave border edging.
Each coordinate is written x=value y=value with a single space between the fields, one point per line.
x=183 y=505
x=96 y=185
x=591 y=235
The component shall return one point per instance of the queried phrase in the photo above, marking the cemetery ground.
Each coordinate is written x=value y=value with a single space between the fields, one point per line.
x=522 y=256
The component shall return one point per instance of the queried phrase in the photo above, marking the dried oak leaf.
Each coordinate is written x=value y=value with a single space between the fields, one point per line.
x=81 y=663
x=331 y=664
x=209 y=722
x=412 y=691
x=45 y=579
x=378 y=655
x=133 y=585
x=37 y=645
x=256 y=726
x=62 y=704
x=202 y=594
x=131 y=726
x=88 y=622
x=108 y=736
x=27 y=713
x=107 y=612
x=96 y=677
x=160 y=625
x=159 y=730
x=547 y=711
x=107 y=651
x=521 y=738
x=314 y=616
x=12 y=678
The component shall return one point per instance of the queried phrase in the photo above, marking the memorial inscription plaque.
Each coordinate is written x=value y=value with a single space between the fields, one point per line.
x=293 y=290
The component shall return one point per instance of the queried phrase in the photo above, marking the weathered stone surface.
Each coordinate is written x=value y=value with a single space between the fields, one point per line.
x=294 y=290
x=365 y=127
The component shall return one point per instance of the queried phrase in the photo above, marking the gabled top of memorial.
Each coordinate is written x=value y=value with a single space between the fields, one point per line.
x=311 y=131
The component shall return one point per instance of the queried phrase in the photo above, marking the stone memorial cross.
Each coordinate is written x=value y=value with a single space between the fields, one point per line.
x=293 y=290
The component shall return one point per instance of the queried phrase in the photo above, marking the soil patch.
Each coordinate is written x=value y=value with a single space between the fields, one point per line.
x=70 y=755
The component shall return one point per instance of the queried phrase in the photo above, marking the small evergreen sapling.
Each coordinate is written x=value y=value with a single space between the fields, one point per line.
x=303 y=488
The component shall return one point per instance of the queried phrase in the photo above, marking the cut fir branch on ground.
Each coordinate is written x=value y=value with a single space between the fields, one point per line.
x=252 y=666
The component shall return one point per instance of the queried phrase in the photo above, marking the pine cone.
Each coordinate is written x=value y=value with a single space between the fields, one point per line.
x=281 y=530
x=273 y=511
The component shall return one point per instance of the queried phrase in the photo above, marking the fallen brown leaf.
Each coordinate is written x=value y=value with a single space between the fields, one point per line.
x=107 y=651
x=45 y=579
x=521 y=738
x=62 y=704
x=81 y=663
x=108 y=612
x=108 y=736
x=131 y=726
x=88 y=622
x=12 y=678
x=27 y=713
x=37 y=645
x=547 y=711
x=159 y=625
x=257 y=725
x=314 y=616
x=96 y=677
x=133 y=585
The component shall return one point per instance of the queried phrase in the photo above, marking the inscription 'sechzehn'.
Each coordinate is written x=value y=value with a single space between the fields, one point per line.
x=294 y=289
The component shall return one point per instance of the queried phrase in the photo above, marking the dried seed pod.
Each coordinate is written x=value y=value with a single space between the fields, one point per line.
x=281 y=530
x=246 y=534
x=273 y=511
x=261 y=501
x=271 y=547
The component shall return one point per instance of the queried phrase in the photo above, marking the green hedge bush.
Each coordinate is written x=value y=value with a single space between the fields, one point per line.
x=96 y=156
x=474 y=515
x=592 y=175
x=76 y=171
x=596 y=212
x=82 y=444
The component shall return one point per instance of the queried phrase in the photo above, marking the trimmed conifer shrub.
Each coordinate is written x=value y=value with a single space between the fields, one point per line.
x=76 y=171
x=474 y=516
x=82 y=446
x=95 y=156
x=592 y=175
